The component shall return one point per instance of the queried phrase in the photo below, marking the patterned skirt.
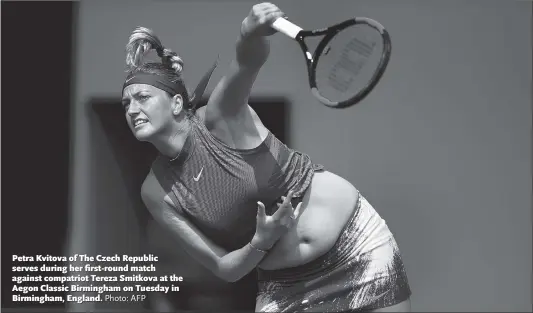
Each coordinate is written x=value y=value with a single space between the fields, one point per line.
x=362 y=271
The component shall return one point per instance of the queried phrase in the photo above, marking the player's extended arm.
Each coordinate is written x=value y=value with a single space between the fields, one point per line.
x=229 y=99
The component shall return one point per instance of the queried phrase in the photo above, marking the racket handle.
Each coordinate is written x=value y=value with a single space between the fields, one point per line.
x=282 y=25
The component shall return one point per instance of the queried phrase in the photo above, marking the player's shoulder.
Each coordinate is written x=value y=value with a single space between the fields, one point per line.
x=158 y=181
x=152 y=188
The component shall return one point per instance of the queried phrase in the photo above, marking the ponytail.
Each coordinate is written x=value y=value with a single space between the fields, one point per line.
x=141 y=41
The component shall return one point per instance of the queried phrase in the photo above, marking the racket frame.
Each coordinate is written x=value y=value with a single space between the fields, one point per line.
x=299 y=35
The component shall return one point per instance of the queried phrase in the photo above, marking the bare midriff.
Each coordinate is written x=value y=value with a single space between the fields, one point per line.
x=327 y=205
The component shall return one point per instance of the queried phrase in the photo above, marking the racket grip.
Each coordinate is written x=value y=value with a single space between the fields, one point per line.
x=282 y=25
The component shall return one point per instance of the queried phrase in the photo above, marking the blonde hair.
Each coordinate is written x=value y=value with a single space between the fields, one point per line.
x=141 y=41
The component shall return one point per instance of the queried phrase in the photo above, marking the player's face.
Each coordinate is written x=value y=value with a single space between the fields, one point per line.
x=149 y=111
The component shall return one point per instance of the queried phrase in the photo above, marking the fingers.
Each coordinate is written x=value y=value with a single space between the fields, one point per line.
x=273 y=16
x=285 y=209
x=297 y=211
x=261 y=209
x=288 y=198
x=267 y=12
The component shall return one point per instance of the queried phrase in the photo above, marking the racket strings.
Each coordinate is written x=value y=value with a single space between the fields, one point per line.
x=361 y=47
x=348 y=63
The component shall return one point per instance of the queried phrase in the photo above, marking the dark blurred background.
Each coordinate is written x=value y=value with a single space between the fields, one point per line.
x=442 y=147
x=37 y=72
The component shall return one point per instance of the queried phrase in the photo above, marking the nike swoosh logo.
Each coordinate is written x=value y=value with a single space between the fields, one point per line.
x=127 y=80
x=197 y=178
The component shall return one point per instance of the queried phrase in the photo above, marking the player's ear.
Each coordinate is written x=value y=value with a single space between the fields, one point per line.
x=177 y=104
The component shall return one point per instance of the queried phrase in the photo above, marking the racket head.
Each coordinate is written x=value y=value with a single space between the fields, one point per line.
x=348 y=62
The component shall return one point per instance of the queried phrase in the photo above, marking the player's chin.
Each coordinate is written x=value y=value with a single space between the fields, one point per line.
x=143 y=133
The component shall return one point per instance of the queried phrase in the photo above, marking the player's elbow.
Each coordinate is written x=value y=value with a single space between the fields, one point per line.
x=228 y=276
x=231 y=278
x=227 y=273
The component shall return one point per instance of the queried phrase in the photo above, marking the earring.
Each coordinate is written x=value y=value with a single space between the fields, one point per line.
x=175 y=112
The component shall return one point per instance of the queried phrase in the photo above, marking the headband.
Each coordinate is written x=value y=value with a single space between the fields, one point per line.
x=158 y=81
x=161 y=82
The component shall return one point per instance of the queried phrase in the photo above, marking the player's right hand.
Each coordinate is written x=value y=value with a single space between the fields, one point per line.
x=260 y=19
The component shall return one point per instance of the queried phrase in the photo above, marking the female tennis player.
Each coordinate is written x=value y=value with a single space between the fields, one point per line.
x=238 y=199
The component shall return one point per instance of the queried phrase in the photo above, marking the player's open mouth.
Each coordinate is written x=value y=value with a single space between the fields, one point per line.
x=140 y=121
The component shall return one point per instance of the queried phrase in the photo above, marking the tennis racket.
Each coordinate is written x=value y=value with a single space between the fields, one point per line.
x=347 y=63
